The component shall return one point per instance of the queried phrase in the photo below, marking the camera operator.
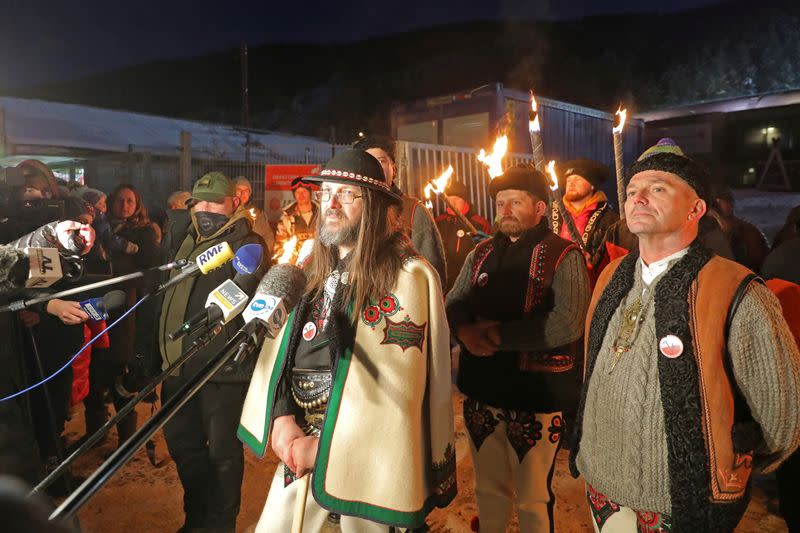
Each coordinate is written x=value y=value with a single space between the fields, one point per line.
x=26 y=424
x=50 y=335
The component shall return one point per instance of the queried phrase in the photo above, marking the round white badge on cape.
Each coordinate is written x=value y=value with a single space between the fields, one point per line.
x=460 y=233
x=483 y=279
x=670 y=346
x=309 y=331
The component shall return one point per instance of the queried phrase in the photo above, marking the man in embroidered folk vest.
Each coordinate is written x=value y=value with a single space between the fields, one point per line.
x=414 y=220
x=517 y=309
x=580 y=179
x=691 y=371
x=356 y=387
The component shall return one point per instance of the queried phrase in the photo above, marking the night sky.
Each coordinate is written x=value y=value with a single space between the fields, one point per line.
x=49 y=41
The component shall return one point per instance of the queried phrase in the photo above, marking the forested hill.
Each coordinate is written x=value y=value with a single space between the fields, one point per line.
x=730 y=49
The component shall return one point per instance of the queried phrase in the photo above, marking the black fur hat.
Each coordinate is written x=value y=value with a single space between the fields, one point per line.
x=522 y=178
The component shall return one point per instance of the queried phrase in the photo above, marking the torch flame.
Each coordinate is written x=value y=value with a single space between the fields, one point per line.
x=533 y=116
x=305 y=251
x=494 y=160
x=288 y=250
x=551 y=169
x=621 y=115
x=429 y=204
x=439 y=184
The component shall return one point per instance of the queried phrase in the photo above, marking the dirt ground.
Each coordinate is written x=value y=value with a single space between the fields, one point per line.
x=142 y=498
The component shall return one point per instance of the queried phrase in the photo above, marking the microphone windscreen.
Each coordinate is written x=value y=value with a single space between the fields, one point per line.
x=248 y=258
x=113 y=300
x=14 y=268
x=284 y=281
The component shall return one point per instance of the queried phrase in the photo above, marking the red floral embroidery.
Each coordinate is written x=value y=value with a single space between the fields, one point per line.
x=372 y=315
x=556 y=429
x=648 y=522
x=388 y=305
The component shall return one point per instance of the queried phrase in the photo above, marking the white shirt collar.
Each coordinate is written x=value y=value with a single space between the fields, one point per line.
x=655 y=269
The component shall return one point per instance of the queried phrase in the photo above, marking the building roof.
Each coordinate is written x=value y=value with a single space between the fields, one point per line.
x=38 y=126
x=728 y=105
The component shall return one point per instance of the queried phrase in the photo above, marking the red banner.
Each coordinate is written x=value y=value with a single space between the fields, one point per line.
x=279 y=177
x=278 y=185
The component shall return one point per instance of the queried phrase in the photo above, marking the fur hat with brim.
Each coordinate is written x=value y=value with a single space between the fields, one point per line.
x=521 y=178
x=667 y=156
x=456 y=188
x=355 y=167
x=592 y=171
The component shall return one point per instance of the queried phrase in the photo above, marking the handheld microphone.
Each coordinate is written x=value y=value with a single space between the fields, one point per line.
x=209 y=260
x=229 y=299
x=97 y=308
x=277 y=294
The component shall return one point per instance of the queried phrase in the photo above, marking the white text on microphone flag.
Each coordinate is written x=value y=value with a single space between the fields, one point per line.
x=268 y=309
x=229 y=298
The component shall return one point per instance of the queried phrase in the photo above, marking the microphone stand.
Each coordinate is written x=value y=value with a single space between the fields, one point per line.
x=196 y=346
x=125 y=452
x=23 y=304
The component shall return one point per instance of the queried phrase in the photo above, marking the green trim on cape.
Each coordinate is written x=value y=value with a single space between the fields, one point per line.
x=259 y=446
x=354 y=508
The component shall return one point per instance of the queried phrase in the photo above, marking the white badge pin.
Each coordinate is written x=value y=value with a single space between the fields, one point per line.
x=460 y=233
x=670 y=346
x=483 y=279
x=309 y=331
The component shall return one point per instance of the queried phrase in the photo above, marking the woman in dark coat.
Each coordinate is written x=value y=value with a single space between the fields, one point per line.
x=129 y=220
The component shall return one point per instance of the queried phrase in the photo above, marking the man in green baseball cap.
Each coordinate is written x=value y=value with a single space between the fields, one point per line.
x=201 y=437
x=213 y=202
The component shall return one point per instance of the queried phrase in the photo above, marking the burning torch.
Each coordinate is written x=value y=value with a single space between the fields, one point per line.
x=556 y=196
x=535 y=130
x=438 y=186
x=286 y=255
x=619 y=123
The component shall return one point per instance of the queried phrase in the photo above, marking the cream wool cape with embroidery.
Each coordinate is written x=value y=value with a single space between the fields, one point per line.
x=386 y=451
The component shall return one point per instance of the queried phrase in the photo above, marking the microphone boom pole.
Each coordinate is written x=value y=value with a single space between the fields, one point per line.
x=23 y=304
x=199 y=343
x=125 y=452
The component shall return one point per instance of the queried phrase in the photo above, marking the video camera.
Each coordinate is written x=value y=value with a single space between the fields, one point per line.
x=36 y=211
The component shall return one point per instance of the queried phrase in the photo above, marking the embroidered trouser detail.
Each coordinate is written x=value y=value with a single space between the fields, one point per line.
x=513 y=464
x=611 y=517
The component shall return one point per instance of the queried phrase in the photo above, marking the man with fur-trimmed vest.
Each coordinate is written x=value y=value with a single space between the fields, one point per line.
x=355 y=391
x=517 y=309
x=692 y=374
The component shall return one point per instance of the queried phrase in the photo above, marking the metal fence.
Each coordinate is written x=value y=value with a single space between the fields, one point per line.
x=156 y=176
x=418 y=162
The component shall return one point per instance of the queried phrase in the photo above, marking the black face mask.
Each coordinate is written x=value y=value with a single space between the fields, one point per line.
x=209 y=223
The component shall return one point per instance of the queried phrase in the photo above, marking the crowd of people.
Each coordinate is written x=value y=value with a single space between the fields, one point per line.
x=659 y=345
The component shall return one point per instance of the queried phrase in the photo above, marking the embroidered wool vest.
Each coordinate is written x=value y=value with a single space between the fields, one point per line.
x=511 y=281
x=710 y=433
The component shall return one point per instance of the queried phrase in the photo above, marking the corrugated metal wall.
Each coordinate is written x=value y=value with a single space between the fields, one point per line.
x=569 y=132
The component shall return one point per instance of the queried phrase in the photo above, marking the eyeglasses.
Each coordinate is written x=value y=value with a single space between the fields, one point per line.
x=344 y=197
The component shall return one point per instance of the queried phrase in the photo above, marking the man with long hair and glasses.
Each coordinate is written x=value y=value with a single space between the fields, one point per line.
x=356 y=388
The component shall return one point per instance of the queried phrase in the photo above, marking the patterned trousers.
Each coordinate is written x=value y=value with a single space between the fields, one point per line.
x=611 y=517
x=279 y=510
x=513 y=453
